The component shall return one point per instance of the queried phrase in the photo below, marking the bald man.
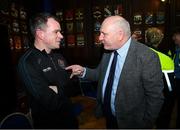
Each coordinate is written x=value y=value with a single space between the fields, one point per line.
x=136 y=95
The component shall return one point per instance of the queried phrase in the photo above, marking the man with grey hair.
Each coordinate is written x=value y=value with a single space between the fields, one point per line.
x=135 y=86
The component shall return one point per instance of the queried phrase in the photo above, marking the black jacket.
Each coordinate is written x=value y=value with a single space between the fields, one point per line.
x=38 y=71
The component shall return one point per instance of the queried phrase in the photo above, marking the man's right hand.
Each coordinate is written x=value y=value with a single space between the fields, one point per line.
x=76 y=70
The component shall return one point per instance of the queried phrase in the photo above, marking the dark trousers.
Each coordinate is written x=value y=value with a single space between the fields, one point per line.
x=111 y=122
x=177 y=83
x=164 y=118
x=55 y=120
x=52 y=123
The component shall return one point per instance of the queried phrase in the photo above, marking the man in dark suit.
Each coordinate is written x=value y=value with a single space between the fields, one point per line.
x=136 y=95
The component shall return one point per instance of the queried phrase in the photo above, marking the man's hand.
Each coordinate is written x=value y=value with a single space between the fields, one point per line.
x=76 y=70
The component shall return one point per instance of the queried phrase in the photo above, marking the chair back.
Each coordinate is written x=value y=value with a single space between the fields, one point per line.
x=16 y=120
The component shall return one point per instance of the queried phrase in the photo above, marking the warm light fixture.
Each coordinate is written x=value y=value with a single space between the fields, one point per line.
x=163 y=0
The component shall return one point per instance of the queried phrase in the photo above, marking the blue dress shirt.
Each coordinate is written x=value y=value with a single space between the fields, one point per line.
x=122 y=53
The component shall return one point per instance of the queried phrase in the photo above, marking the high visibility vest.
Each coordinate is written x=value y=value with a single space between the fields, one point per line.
x=169 y=53
x=167 y=66
x=166 y=62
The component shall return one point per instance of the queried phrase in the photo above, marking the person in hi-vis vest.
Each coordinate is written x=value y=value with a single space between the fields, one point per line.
x=176 y=39
x=154 y=37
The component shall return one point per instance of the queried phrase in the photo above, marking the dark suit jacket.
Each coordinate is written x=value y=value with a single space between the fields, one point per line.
x=139 y=94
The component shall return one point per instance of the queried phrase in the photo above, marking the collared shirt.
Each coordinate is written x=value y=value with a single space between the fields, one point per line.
x=122 y=53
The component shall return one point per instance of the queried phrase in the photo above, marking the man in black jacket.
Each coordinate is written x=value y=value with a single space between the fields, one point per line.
x=45 y=78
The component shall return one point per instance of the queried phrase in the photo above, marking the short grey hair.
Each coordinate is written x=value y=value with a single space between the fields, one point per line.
x=124 y=25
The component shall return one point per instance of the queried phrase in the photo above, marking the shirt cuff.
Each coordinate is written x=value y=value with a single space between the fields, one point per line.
x=83 y=74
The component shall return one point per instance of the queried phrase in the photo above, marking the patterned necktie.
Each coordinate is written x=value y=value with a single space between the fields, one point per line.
x=107 y=94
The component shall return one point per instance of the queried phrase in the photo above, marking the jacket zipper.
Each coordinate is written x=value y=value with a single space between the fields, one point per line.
x=53 y=62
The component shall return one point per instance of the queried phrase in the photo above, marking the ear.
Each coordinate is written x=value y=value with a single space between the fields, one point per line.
x=40 y=33
x=120 y=35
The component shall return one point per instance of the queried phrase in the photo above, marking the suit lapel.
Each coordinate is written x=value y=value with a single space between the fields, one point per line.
x=126 y=67
x=104 y=65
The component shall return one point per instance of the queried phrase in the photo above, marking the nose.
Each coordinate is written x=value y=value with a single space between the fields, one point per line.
x=60 y=35
x=100 y=37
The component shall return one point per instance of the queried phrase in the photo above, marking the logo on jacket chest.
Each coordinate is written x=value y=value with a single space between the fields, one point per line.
x=47 y=69
x=61 y=63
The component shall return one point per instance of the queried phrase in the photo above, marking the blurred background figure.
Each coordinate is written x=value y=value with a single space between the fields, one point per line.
x=136 y=36
x=154 y=37
x=176 y=39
